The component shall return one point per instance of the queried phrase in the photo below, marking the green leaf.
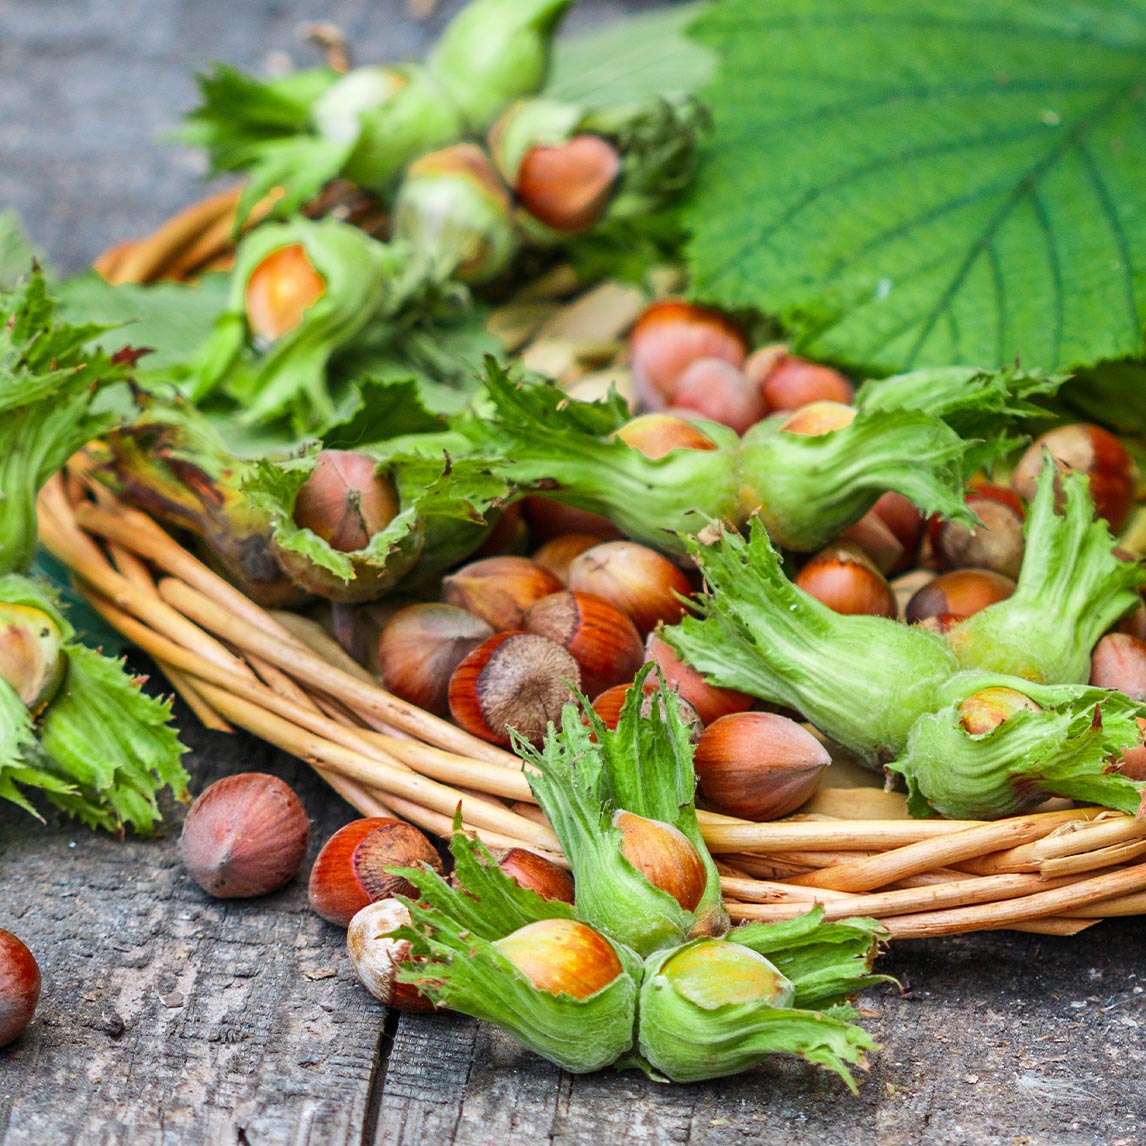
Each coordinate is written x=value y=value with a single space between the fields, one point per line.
x=16 y=251
x=638 y=58
x=929 y=183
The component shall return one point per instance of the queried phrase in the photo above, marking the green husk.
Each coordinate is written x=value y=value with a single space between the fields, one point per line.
x=861 y=680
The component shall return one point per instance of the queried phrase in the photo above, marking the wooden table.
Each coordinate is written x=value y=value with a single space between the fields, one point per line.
x=171 y=1018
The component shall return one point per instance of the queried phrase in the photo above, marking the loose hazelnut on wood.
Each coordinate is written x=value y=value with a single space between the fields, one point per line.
x=514 y=680
x=709 y=701
x=499 y=589
x=376 y=958
x=656 y=435
x=245 y=835
x=758 y=765
x=1119 y=662
x=1091 y=450
x=963 y=592
x=344 y=501
x=669 y=337
x=19 y=987
x=558 y=554
x=996 y=544
x=599 y=637
x=420 y=648
x=639 y=581
x=845 y=578
x=350 y=871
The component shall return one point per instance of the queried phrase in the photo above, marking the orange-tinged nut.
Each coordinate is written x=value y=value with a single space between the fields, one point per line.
x=903 y=518
x=344 y=501
x=639 y=581
x=535 y=873
x=280 y=290
x=984 y=711
x=499 y=589
x=996 y=544
x=758 y=765
x=876 y=539
x=557 y=554
x=19 y=987
x=420 y=648
x=655 y=435
x=818 y=418
x=664 y=855
x=608 y=704
x=547 y=519
x=350 y=871
x=963 y=592
x=514 y=680
x=669 y=337
x=709 y=701
x=845 y=578
x=567 y=187
x=599 y=637
x=376 y=958
x=245 y=835
x=1090 y=450
x=562 y=956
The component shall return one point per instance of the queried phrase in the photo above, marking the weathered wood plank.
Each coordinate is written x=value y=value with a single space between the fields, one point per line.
x=168 y=1016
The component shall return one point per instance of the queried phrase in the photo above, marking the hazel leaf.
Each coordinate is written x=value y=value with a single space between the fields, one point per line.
x=928 y=184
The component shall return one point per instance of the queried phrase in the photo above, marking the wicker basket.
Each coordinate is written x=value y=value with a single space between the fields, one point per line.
x=281 y=677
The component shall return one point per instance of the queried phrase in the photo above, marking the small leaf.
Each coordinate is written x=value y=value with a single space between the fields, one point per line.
x=929 y=184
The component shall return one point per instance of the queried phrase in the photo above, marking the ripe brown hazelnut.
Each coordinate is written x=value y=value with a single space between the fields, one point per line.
x=245 y=835
x=350 y=871
x=639 y=581
x=557 y=554
x=873 y=536
x=19 y=987
x=568 y=186
x=900 y=514
x=1119 y=662
x=509 y=535
x=1090 y=450
x=845 y=578
x=548 y=519
x=789 y=382
x=514 y=680
x=344 y=501
x=669 y=337
x=758 y=765
x=420 y=648
x=962 y=592
x=535 y=873
x=608 y=704
x=600 y=638
x=720 y=392
x=499 y=589
x=709 y=701
x=996 y=544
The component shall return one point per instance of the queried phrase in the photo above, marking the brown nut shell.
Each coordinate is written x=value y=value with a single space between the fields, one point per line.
x=499 y=589
x=845 y=578
x=514 y=680
x=344 y=501
x=1119 y=662
x=19 y=987
x=664 y=855
x=350 y=871
x=707 y=700
x=637 y=580
x=557 y=554
x=245 y=835
x=963 y=592
x=599 y=637
x=568 y=186
x=758 y=765
x=535 y=873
